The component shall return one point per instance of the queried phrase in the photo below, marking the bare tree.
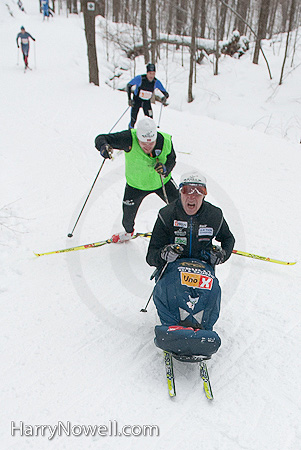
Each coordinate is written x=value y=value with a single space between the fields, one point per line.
x=193 y=48
x=89 y=21
x=290 y=27
x=216 y=37
x=262 y=27
x=144 y=31
x=242 y=9
x=153 y=28
x=203 y=18
x=116 y=10
x=272 y=18
x=222 y=21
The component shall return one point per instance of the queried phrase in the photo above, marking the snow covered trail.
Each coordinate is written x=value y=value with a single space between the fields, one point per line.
x=75 y=346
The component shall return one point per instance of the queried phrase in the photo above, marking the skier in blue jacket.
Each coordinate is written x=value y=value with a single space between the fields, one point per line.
x=145 y=86
x=45 y=9
x=24 y=37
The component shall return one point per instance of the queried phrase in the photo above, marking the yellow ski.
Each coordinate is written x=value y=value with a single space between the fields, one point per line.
x=263 y=258
x=85 y=246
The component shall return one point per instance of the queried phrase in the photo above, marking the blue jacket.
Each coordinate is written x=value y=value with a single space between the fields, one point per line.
x=188 y=294
x=143 y=84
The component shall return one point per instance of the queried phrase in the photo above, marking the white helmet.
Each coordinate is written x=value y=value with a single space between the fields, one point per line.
x=146 y=130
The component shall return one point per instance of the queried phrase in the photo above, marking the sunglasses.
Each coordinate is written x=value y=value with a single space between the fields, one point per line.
x=189 y=189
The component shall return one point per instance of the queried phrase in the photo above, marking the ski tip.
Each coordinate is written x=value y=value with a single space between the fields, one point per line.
x=37 y=254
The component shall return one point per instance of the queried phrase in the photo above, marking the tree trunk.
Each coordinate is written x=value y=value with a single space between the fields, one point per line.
x=153 y=28
x=101 y=8
x=272 y=18
x=203 y=18
x=89 y=20
x=262 y=27
x=242 y=9
x=170 y=18
x=74 y=7
x=222 y=22
x=192 y=48
x=144 y=31
x=116 y=10
x=284 y=11
x=216 y=37
x=290 y=27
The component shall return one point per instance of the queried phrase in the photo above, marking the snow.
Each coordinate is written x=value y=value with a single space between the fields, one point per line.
x=75 y=347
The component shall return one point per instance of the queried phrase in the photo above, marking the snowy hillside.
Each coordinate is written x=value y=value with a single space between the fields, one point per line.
x=75 y=347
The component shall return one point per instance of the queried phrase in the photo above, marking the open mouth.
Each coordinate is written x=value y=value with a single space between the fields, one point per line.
x=191 y=205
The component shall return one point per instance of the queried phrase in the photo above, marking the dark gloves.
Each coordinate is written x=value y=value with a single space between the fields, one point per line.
x=171 y=252
x=131 y=102
x=217 y=255
x=160 y=169
x=18 y=45
x=33 y=39
x=106 y=151
x=164 y=99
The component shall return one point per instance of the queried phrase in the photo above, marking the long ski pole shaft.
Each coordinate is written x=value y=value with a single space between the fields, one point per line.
x=118 y=120
x=71 y=234
x=150 y=297
x=164 y=190
x=158 y=126
x=263 y=258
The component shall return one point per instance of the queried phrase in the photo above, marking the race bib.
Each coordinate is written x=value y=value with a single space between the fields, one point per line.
x=196 y=280
x=145 y=95
x=24 y=40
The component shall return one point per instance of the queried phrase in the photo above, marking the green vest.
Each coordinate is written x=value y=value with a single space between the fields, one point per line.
x=139 y=167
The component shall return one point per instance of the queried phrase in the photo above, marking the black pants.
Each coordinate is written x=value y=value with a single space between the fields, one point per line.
x=139 y=103
x=133 y=197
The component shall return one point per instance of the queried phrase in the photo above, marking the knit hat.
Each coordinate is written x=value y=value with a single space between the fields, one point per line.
x=151 y=67
x=146 y=130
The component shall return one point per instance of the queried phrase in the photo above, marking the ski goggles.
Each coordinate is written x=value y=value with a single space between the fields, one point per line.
x=189 y=189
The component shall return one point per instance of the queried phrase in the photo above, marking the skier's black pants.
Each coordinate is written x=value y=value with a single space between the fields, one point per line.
x=139 y=103
x=133 y=197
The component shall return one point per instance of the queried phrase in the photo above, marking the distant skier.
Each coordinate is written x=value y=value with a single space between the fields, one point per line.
x=45 y=8
x=20 y=4
x=149 y=160
x=145 y=86
x=24 y=37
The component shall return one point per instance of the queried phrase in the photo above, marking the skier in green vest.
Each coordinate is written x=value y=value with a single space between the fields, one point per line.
x=149 y=160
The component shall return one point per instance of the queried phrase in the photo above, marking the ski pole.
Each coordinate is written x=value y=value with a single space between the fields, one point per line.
x=163 y=186
x=34 y=51
x=164 y=190
x=119 y=119
x=158 y=126
x=145 y=308
x=18 y=56
x=71 y=234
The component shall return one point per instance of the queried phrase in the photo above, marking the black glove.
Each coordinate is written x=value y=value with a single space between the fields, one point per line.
x=18 y=45
x=164 y=100
x=33 y=39
x=131 y=102
x=217 y=255
x=106 y=151
x=160 y=168
x=171 y=252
